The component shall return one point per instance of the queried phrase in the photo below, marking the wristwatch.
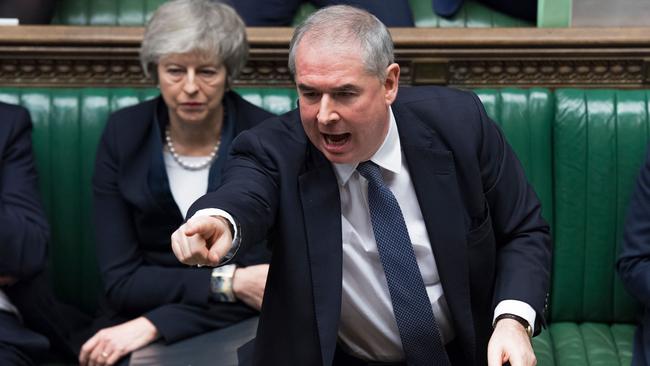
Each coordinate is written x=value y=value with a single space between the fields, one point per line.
x=221 y=283
x=522 y=321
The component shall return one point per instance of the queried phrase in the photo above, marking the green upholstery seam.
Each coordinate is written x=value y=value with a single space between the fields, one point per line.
x=586 y=206
x=614 y=248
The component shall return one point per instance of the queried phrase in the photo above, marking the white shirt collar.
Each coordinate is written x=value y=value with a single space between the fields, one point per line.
x=389 y=155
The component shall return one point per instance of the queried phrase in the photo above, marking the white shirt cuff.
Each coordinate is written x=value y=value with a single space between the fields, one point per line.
x=518 y=308
x=236 y=238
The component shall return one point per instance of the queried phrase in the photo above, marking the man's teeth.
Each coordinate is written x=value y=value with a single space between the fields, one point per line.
x=336 y=139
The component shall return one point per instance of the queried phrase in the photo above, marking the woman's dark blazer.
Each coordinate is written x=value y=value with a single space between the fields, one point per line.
x=135 y=215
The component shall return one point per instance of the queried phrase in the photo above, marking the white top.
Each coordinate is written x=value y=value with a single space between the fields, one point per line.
x=186 y=185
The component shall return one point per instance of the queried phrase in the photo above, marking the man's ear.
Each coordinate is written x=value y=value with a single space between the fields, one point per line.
x=392 y=82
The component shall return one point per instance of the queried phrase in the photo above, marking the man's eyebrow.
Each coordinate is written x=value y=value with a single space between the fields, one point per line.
x=342 y=88
x=346 y=88
x=304 y=87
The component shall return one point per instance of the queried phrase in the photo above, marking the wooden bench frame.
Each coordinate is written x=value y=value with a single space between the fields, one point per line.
x=75 y=56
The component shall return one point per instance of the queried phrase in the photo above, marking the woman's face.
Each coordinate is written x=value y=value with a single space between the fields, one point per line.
x=192 y=86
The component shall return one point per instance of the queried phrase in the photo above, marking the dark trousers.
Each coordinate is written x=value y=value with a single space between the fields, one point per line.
x=341 y=358
x=48 y=326
x=19 y=345
x=393 y=13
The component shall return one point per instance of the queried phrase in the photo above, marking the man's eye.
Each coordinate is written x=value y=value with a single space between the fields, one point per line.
x=345 y=94
x=310 y=95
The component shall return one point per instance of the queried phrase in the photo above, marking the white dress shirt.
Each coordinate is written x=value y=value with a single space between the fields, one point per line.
x=368 y=328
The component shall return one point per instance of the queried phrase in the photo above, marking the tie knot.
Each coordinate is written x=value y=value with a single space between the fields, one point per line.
x=371 y=172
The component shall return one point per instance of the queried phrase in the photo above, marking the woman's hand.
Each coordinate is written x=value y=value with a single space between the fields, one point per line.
x=108 y=345
x=248 y=284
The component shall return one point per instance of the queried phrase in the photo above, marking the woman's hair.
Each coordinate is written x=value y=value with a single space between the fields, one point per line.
x=347 y=26
x=204 y=26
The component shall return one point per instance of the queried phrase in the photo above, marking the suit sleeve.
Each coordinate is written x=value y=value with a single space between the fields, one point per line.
x=634 y=261
x=175 y=322
x=249 y=190
x=164 y=294
x=522 y=235
x=24 y=232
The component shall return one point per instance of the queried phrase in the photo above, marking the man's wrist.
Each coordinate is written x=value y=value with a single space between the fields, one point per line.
x=516 y=307
x=524 y=323
x=233 y=225
x=236 y=239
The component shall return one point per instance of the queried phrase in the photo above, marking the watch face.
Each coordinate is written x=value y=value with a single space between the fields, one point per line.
x=221 y=297
x=221 y=284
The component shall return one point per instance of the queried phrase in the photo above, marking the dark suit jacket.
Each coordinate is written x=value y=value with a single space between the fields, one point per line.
x=634 y=260
x=24 y=236
x=23 y=227
x=135 y=215
x=24 y=232
x=483 y=220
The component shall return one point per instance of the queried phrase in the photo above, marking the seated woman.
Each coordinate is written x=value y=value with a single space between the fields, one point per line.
x=153 y=161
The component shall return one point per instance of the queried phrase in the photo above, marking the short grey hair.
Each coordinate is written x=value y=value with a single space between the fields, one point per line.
x=342 y=24
x=205 y=26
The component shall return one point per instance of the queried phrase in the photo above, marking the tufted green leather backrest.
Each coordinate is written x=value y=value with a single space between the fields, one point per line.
x=599 y=143
x=526 y=118
x=137 y=12
x=69 y=122
x=105 y=12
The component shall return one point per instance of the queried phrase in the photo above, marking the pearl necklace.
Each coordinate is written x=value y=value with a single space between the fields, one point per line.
x=185 y=164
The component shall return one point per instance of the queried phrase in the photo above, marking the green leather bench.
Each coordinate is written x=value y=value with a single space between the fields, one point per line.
x=580 y=149
x=137 y=12
x=599 y=142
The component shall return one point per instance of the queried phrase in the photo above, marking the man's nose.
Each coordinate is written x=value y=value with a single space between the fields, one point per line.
x=326 y=112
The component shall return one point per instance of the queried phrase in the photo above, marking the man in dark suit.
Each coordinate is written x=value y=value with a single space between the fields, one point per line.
x=403 y=227
x=32 y=322
x=634 y=260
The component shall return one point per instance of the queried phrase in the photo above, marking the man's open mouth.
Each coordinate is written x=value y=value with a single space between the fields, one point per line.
x=336 y=139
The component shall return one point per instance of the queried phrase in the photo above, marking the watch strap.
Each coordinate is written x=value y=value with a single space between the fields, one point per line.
x=522 y=321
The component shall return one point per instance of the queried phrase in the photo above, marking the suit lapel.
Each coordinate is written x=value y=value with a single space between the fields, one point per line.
x=322 y=213
x=431 y=166
x=157 y=179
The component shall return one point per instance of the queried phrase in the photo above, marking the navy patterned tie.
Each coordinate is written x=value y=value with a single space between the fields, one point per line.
x=417 y=325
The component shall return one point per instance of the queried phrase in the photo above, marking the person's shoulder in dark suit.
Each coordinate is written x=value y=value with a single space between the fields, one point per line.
x=45 y=324
x=634 y=260
x=24 y=231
